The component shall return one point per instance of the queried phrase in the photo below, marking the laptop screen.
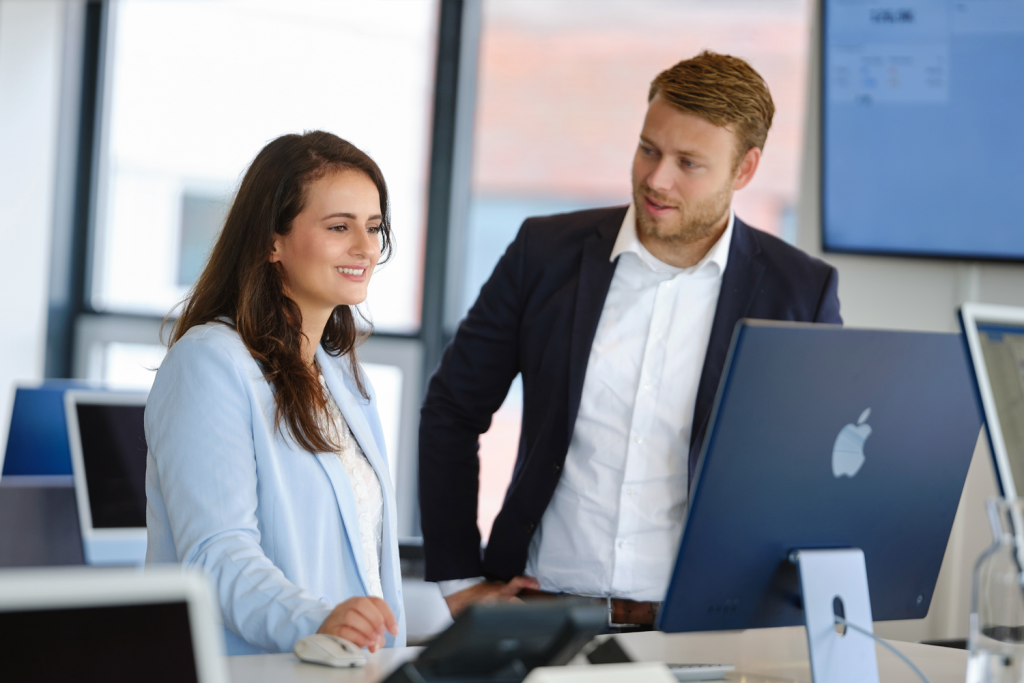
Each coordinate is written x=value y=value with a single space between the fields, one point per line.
x=147 y=642
x=114 y=454
x=1003 y=349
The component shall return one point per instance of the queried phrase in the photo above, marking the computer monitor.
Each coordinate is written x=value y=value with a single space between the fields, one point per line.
x=995 y=337
x=905 y=86
x=37 y=440
x=824 y=437
x=107 y=438
x=87 y=624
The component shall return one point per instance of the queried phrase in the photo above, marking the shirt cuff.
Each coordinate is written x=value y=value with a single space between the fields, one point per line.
x=455 y=585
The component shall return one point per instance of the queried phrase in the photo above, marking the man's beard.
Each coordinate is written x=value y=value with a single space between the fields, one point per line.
x=695 y=221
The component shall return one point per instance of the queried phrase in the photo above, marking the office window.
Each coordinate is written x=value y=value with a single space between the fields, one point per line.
x=561 y=96
x=127 y=365
x=194 y=90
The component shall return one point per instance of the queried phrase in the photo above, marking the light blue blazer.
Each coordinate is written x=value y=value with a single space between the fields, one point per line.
x=273 y=526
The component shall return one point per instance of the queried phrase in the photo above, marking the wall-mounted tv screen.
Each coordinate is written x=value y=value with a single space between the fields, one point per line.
x=923 y=128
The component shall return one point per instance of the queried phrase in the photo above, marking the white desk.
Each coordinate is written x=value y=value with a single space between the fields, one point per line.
x=760 y=656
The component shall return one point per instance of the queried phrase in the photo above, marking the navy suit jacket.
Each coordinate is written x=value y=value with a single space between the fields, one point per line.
x=537 y=315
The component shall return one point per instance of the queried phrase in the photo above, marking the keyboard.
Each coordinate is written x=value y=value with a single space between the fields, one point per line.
x=700 y=672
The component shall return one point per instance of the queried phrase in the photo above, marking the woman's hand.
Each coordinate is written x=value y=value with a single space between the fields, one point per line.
x=362 y=621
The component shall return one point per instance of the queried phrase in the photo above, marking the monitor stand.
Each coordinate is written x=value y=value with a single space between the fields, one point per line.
x=835 y=583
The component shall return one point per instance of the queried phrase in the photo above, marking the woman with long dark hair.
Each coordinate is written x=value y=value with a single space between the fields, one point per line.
x=267 y=465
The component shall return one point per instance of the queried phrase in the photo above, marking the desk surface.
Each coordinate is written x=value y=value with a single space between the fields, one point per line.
x=760 y=656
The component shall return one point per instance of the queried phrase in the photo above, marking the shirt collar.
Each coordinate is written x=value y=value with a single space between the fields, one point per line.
x=627 y=241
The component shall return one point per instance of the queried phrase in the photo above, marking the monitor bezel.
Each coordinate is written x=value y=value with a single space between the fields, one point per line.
x=129 y=536
x=971 y=314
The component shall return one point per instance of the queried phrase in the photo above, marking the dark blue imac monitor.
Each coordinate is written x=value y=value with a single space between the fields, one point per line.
x=37 y=441
x=921 y=146
x=824 y=437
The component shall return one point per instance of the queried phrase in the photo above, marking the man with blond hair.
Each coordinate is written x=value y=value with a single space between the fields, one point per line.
x=619 y=321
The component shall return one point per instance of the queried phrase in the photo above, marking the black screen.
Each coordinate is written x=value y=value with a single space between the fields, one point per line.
x=114 y=452
x=151 y=643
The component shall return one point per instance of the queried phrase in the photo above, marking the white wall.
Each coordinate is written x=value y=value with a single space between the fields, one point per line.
x=913 y=294
x=31 y=42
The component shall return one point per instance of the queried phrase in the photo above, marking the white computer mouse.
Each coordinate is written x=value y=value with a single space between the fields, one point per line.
x=328 y=650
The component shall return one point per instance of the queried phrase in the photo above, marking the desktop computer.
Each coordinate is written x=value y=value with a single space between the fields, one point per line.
x=995 y=338
x=831 y=452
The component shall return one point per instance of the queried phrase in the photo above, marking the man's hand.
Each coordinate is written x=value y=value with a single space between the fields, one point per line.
x=489 y=591
x=361 y=621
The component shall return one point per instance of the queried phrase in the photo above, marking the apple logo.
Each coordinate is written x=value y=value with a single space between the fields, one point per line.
x=848 y=451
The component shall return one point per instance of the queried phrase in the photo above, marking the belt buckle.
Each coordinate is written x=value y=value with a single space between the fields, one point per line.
x=611 y=622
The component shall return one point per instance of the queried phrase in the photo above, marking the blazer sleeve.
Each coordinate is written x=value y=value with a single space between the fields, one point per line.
x=828 y=304
x=199 y=429
x=470 y=384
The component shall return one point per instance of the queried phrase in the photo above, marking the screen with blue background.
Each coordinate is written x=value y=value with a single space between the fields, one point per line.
x=923 y=106
x=37 y=442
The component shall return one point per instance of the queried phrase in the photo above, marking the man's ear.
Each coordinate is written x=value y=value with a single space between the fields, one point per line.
x=746 y=169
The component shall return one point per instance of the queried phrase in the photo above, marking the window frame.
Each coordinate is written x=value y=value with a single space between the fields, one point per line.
x=75 y=329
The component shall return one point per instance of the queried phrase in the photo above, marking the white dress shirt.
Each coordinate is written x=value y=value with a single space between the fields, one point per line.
x=613 y=525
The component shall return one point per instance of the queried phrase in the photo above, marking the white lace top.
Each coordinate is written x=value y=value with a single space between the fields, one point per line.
x=369 y=499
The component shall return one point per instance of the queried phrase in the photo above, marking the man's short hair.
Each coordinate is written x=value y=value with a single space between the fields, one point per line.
x=725 y=91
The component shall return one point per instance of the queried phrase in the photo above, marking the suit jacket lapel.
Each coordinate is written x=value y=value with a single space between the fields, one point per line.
x=739 y=285
x=350 y=403
x=596 y=271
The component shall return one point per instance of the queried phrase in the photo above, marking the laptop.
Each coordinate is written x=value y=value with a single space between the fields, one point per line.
x=88 y=624
x=107 y=439
x=995 y=338
x=824 y=437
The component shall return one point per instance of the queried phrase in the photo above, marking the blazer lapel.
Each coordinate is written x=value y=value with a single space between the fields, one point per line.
x=596 y=271
x=739 y=285
x=352 y=407
x=346 y=498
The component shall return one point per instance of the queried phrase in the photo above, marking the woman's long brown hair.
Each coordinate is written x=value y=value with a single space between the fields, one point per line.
x=241 y=285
